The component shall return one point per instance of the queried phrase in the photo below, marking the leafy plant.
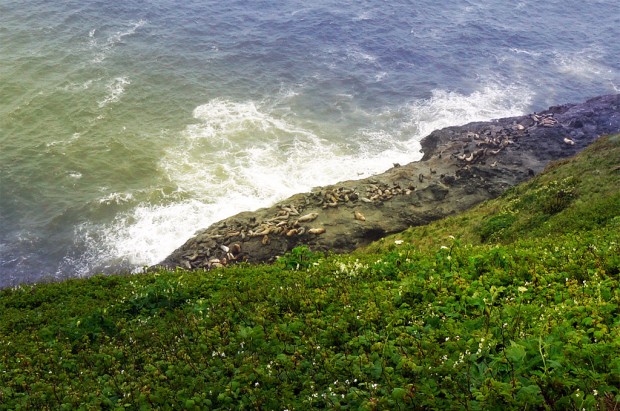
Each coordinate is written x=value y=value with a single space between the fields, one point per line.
x=492 y=227
x=299 y=258
x=430 y=319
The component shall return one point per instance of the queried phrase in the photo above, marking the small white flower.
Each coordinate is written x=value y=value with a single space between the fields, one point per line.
x=398 y=242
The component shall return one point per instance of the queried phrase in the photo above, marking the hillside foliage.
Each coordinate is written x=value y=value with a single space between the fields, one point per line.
x=512 y=305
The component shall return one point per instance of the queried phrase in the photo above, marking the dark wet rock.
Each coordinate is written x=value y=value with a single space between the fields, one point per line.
x=461 y=167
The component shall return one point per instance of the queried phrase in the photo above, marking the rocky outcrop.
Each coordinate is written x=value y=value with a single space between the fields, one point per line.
x=462 y=166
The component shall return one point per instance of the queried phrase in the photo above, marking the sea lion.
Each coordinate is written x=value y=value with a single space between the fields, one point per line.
x=235 y=249
x=569 y=141
x=307 y=217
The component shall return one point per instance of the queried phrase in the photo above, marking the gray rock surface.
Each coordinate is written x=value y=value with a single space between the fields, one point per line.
x=461 y=167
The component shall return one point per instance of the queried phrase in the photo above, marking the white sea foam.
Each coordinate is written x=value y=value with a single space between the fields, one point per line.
x=584 y=65
x=133 y=27
x=380 y=75
x=116 y=198
x=360 y=56
x=363 y=16
x=146 y=236
x=238 y=157
x=103 y=48
x=517 y=50
x=115 y=89
x=446 y=108
x=72 y=87
x=74 y=137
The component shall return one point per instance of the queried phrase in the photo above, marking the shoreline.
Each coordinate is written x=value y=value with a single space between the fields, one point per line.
x=462 y=166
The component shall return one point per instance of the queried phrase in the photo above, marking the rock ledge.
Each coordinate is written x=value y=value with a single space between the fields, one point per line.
x=461 y=167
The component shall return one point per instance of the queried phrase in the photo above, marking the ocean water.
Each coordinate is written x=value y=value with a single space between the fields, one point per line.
x=125 y=126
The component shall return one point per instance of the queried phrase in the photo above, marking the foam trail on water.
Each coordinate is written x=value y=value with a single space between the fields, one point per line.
x=104 y=48
x=239 y=156
x=115 y=89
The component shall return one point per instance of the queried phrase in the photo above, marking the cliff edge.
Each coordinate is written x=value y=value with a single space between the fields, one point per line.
x=461 y=167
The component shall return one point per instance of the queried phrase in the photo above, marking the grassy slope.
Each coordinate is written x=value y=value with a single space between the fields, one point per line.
x=514 y=304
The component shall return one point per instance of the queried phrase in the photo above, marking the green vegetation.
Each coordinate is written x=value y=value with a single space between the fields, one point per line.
x=513 y=305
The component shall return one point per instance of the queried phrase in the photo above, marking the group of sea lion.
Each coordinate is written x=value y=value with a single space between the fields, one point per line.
x=226 y=243
x=461 y=166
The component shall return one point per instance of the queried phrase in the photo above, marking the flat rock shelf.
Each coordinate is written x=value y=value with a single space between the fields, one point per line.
x=461 y=167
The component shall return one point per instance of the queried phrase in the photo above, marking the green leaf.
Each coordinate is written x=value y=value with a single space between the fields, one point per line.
x=398 y=394
x=377 y=369
x=515 y=353
x=530 y=394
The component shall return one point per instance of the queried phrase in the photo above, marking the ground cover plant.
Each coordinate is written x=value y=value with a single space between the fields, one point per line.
x=513 y=305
